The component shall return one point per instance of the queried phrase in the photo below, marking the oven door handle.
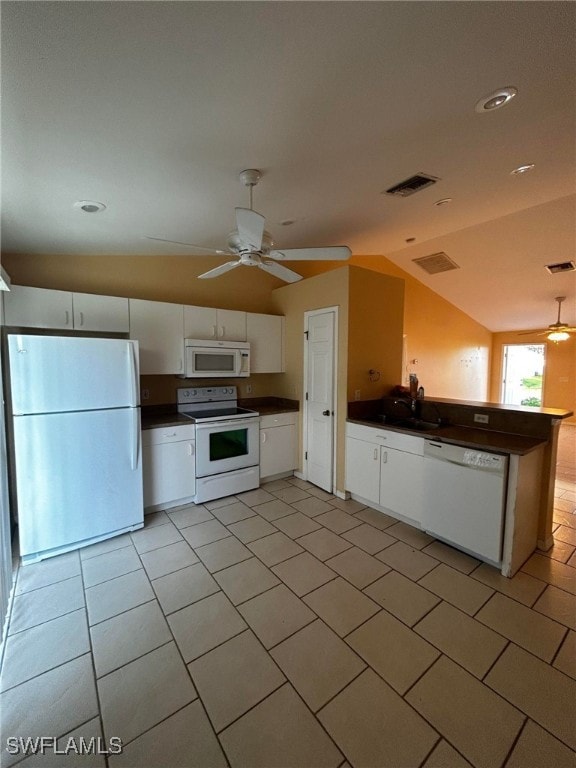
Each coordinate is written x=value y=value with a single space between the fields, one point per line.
x=242 y=422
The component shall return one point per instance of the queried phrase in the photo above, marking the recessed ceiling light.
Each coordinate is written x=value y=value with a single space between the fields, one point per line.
x=444 y=201
x=90 y=206
x=522 y=169
x=496 y=99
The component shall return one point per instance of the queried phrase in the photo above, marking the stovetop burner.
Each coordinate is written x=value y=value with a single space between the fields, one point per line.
x=215 y=413
x=211 y=404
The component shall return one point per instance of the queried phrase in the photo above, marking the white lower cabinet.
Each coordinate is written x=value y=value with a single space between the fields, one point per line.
x=386 y=468
x=363 y=469
x=169 y=466
x=278 y=445
x=401 y=483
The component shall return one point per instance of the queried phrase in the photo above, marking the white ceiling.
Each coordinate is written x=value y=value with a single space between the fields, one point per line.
x=154 y=108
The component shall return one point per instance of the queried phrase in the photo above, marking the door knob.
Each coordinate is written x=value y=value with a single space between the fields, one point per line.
x=325 y=413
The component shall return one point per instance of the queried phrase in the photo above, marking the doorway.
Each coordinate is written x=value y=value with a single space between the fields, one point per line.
x=320 y=348
x=523 y=374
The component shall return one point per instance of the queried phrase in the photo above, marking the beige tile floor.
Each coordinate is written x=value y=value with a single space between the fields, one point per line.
x=286 y=628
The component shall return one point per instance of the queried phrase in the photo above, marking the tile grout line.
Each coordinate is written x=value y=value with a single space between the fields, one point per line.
x=178 y=650
x=92 y=658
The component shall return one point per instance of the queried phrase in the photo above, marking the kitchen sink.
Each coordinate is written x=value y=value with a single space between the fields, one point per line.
x=418 y=425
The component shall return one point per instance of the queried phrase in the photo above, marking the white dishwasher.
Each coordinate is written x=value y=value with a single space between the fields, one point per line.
x=464 y=498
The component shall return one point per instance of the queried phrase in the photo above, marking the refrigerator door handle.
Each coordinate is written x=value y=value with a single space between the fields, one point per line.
x=135 y=452
x=133 y=377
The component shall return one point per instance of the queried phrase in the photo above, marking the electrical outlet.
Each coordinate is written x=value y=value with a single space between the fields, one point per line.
x=248 y=389
x=357 y=394
x=481 y=418
x=145 y=394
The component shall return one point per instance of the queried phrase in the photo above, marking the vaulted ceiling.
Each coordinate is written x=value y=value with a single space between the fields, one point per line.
x=153 y=108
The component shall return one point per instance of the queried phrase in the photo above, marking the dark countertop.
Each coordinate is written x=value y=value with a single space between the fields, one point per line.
x=158 y=416
x=469 y=437
x=555 y=413
x=267 y=406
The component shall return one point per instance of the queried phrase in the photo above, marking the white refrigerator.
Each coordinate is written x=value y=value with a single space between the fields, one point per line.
x=76 y=441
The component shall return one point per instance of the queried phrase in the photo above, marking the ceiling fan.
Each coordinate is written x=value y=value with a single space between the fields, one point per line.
x=254 y=246
x=556 y=331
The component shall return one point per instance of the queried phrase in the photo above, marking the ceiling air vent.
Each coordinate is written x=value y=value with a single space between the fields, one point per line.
x=436 y=262
x=563 y=266
x=413 y=184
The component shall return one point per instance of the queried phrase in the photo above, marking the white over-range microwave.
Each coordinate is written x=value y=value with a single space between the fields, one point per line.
x=207 y=358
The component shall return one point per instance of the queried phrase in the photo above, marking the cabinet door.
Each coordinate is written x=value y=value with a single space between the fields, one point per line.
x=266 y=336
x=38 y=307
x=159 y=329
x=401 y=483
x=231 y=324
x=108 y=314
x=209 y=323
x=277 y=450
x=363 y=469
x=200 y=323
x=169 y=473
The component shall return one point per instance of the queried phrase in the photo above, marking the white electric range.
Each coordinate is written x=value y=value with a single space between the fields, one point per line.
x=227 y=441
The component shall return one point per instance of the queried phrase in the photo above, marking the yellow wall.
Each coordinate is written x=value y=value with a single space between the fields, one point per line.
x=376 y=307
x=327 y=290
x=559 y=372
x=159 y=278
x=451 y=349
x=369 y=336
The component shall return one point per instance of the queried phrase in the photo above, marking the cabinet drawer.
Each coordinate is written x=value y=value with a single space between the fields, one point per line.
x=168 y=434
x=278 y=420
x=388 y=437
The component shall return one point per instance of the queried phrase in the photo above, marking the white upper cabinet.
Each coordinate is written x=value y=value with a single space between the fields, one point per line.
x=100 y=313
x=217 y=324
x=158 y=327
x=46 y=308
x=266 y=336
x=38 y=308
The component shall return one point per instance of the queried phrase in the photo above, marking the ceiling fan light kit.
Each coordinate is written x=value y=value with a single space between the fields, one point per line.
x=254 y=246
x=556 y=331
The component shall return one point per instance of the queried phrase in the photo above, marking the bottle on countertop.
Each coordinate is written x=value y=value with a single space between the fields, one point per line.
x=413 y=380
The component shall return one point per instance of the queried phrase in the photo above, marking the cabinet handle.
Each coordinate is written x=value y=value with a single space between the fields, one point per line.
x=81 y=318
x=169 y=434
x=263 y=437
x=190 y=449
x=222 y=331
x=214 y=330
x=180 y=364
x=384 y=457
x=375 y=454
x=67 y=317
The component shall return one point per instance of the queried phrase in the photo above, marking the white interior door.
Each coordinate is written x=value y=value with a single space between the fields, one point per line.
x=320 y=393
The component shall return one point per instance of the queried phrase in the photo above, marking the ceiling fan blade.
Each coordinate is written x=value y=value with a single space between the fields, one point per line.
x=279 y=271
x=250 y=227
x=188 y=245
x=221 y=270
x=330 y=253
x=561 y=329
